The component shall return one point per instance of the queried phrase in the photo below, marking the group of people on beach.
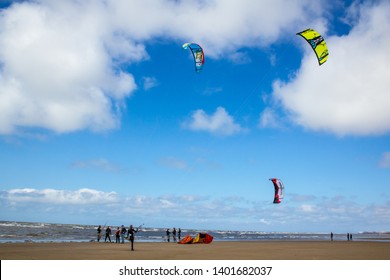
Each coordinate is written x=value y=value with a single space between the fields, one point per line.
x=120 y=234
x=173 y=234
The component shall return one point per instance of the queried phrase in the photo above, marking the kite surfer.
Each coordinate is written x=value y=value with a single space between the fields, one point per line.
x=99 y=233
x=130 y=235
x=108 y=234
x=174 y=234
x=168 y=233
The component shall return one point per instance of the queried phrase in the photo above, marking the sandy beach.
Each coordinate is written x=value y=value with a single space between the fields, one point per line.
x=269 y=250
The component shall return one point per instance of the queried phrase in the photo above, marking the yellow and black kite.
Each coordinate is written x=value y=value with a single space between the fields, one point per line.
x=317 y=42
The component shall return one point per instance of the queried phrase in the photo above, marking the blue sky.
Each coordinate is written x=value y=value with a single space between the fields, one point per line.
x=104 y=120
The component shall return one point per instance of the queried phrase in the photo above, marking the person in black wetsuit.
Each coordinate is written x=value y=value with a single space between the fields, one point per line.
x=130 y=235
x=99 y=233
x=108 y=234
x=174 y=234
x=168 y=234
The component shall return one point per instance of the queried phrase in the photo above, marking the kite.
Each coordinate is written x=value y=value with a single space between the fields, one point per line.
x=279 y=189
x=198 y=54
x=318 y=44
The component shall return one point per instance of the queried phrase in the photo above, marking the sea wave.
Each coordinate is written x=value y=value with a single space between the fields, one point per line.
x=11 y=231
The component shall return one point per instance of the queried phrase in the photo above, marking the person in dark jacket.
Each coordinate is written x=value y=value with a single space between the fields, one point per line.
x=130 y=235
x=99 y=233
x=117 y=235
x=123 y=233
x=108 y=234
x=168 y=234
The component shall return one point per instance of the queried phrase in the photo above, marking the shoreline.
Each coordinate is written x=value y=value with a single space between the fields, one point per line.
x=360 y=239
x=217 y=250
x=159 y=241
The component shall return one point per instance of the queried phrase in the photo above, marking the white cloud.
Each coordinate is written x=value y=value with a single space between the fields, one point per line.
x=52 y=196
x=385 y=160
x=219 y=123
x=240 y=58
x=149 y=83
x=349 y=94
x=264 y=221
x=269 y=118
x=308 y=208
x=222 y=26
x=61 y=61
x=56 y=73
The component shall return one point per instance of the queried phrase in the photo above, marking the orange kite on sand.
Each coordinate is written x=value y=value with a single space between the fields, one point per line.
x=200 y=238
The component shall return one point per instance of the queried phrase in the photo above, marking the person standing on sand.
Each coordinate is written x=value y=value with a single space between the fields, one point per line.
x=168 y=234
x=331 y=236
x=130 y=235
x=123 y=232
x=108 y=234
x=117 y=235
x=179 y=233
x=174 y=234
x=99 y=233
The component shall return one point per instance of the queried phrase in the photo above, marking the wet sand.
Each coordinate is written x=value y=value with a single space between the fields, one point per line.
x=268 y=250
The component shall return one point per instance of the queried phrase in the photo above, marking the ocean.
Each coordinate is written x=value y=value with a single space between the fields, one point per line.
x=11 y=231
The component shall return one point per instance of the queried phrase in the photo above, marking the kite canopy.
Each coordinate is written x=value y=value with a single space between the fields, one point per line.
x=201 y=238
x=318 y=44
x=279 y=189
x=186 y=240
x=197 y=53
